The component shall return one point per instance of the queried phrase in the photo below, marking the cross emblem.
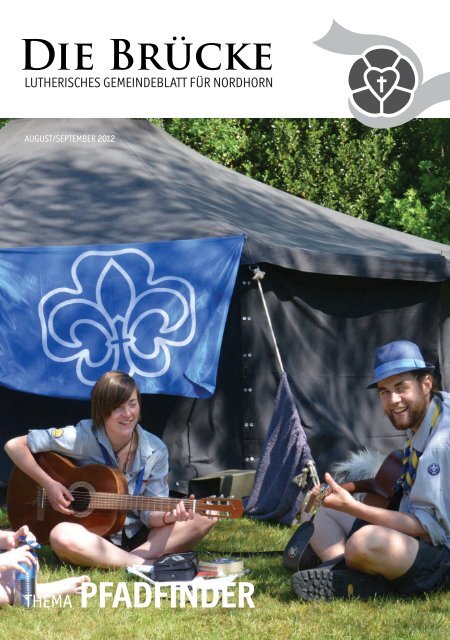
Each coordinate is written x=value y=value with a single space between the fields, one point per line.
x=381 y=82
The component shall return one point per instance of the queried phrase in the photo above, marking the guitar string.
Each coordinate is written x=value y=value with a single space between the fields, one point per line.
x=219 y=511
x=130 y=504
x=100 y=500
x=105 y=498
x=117 y=497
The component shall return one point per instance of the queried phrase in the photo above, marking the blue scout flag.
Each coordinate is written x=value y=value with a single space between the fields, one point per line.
x=156 y=311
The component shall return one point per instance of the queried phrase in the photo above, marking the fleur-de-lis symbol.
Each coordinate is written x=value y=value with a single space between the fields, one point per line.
x=117 y=316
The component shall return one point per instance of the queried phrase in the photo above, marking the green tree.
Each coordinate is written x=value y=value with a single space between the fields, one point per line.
x=397 y=177
x=419 y=203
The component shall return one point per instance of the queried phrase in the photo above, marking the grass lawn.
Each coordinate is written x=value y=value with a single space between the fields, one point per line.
x=277 y=613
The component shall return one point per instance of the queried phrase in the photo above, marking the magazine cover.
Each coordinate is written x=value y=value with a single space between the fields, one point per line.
x=224 y=320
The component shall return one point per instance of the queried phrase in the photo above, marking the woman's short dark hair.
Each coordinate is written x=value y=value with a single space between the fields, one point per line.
x=110 y=392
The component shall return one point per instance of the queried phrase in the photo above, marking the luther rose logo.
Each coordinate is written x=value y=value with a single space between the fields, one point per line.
x=382 y=82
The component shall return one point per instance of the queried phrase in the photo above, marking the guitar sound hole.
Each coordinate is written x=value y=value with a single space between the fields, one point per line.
x=82 y=499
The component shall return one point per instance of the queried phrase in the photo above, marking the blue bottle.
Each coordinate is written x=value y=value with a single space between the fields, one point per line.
x=25 y=583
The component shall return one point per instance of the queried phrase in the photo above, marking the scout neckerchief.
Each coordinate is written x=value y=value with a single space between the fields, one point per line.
x=411 y=456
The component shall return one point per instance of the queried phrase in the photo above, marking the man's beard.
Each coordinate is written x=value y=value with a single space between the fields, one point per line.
x=409 y=419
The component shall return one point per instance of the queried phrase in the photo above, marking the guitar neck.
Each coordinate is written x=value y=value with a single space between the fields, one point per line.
x=360 y=486
x=121 y=502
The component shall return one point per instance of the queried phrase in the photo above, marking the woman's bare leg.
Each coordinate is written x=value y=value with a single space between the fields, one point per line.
x=73 y=543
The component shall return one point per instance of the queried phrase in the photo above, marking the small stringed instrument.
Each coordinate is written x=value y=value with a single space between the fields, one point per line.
x=101 y=499
x=381 y=490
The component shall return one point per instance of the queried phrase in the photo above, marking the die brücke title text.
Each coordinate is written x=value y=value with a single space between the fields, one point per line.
x=177 y=55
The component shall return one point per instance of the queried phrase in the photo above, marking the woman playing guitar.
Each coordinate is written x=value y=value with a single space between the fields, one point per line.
x=112 y=438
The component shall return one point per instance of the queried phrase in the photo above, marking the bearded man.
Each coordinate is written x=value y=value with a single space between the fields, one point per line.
x=362 y=550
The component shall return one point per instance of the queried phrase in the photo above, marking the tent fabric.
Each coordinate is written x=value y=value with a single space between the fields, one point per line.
x=336 y=288
x=135 y=176
x=327 y=330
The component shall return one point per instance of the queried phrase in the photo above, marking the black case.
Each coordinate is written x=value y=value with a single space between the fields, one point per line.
x=175 y=567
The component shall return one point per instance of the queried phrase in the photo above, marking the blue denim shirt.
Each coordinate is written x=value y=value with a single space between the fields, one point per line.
x=82 y=444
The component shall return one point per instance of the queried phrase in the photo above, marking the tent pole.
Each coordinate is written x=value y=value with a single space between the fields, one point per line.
x=310 y=469
x=258 y=276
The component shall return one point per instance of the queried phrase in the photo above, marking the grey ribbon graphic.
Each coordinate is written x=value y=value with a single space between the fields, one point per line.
x=437 y=89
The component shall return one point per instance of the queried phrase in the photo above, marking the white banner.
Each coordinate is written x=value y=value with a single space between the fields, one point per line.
x=226 y=59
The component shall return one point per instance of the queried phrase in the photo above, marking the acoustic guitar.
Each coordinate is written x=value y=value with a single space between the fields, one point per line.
x=101 y=499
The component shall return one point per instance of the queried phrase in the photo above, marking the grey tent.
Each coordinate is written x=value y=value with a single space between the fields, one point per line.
x=336 y=287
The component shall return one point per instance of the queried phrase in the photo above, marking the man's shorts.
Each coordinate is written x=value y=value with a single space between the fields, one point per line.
x=429 y=571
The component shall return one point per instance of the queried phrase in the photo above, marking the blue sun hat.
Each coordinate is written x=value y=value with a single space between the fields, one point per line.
x=397 y=357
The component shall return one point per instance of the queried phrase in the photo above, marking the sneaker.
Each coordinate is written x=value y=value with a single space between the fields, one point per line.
x=328 y=583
